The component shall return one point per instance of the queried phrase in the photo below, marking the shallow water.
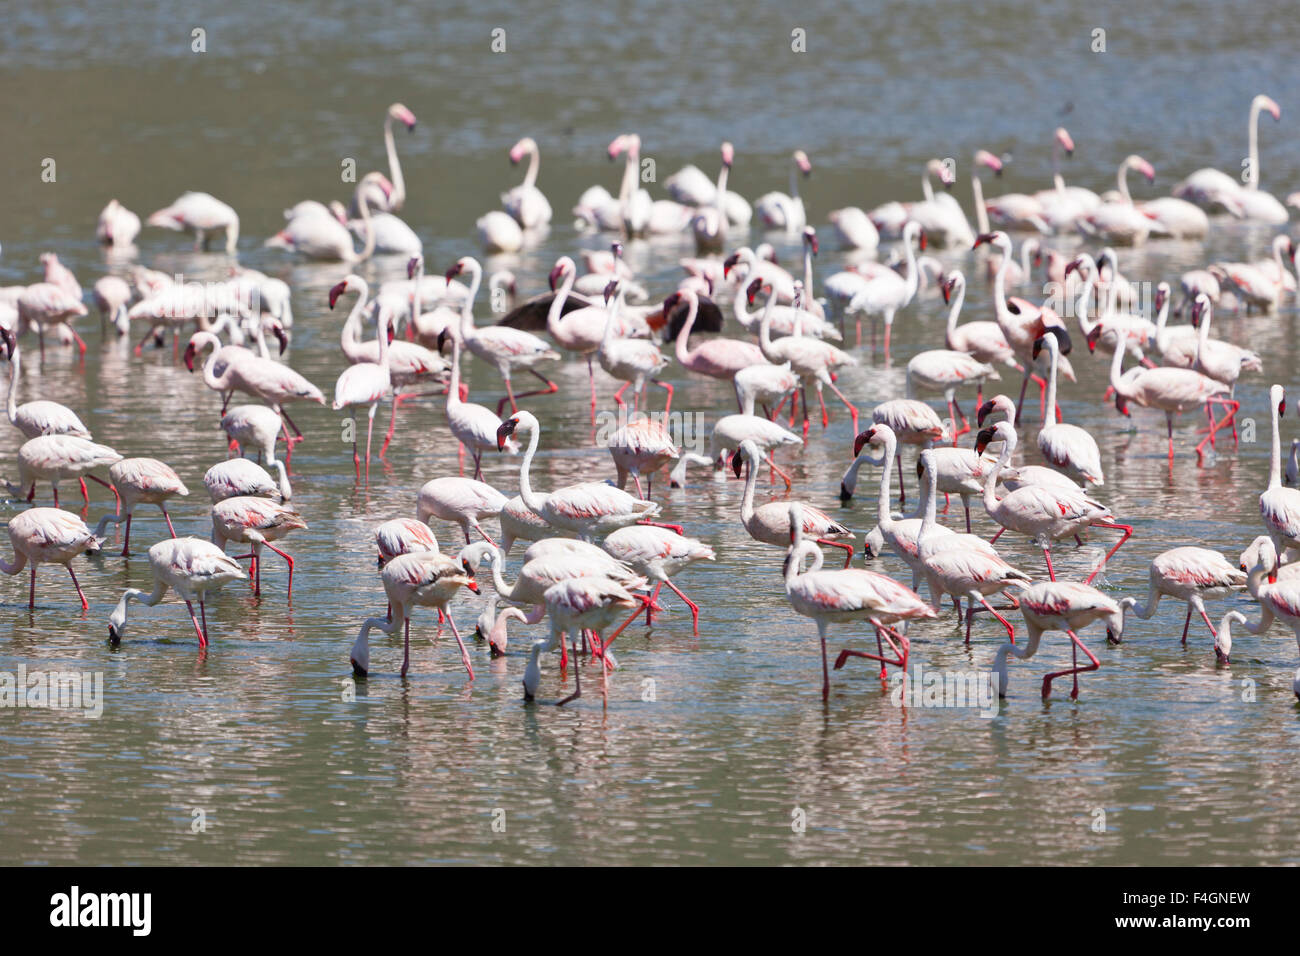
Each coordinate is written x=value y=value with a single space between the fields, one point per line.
x=257 y=734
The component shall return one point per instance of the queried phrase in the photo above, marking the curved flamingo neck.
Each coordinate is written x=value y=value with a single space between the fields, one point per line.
x=684 y=356
x=1000 y=284
x=929 y=503
x=475 y=269
x=1054 y=354
x=751 y=483
x=991 y=481
x=958 y=300
x=883 y=517
x=1121 y=179
x=981 y=209
x=534 y=165
x=1252 y=172
x=1116 y=376
x=556 y=310
x=765 y=326
x=367 y=247
x=351 y=336
x=1081 y=303
x=534 y=501
x=504 y=588
x=398 y=195
x=14 y=371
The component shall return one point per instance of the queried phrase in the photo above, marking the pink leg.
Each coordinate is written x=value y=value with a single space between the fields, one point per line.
x=1074 y=671
x=1127 y=533
x=85 y=605
x=695 y=608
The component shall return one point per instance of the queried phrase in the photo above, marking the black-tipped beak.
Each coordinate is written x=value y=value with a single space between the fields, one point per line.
x=337 y=291
x=983 y=439
x=984 y=412
x=859 y=441
x=845 y=494
x=736 y=462
x=282 y=337
x=189 y=356
x=505 y=431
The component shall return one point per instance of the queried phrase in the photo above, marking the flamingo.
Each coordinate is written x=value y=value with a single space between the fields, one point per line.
x=475 y=426
x=525 y=202
x=1022 y=323
x=519 y=523
x=811 y=359
x=239 y=476
x=1062 y=206
x=394 y=198
x=730 y=431
x=141 y=481
x=547 y=562
x=257 y=522
x=1218 y=360
x=364 y=383
x=1279 y=506
x=641 y=447
x=1210 y=188
x=1044 y=513
x=581 y=330
x=1278 y=597
x=117 y=225
x=270 y=381
x=585 y=603
x=984 y=340
x=54 y=458
x=404 y=536
x=191 y=567
x=200 y=214
x=717 y=358
x=946 y=370
x=633 y=361
x=709 y=224
x=1137 y=333
x=252 y=426
x=783 y=212
x=44 y=305
x=48 y=536
x=1060 y=606
x=765 y=383
x=1191 y=575
x=424 y=578
x=848 y=594
x=769 y=523
x=913 y=423
x=462 y=500
x=1026 y=211
x=500 y=346
x=939 y=215
x=961 y=565
x=887 y=292
x=1013 y=478
x=1172 y=390
x=590 y=508
x=1067 y=447
x=111 y=295
x=657 y=554
x=854 y=229
x=1121 y=221
x=786 y=319
x=39 y=417
x=323 y=237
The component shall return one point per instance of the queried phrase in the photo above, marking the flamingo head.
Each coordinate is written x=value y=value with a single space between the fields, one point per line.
x=873 y=436
x=1094 y=336
x=521 y=149
x=1270 y=105
x=1199 y=305
x=400 y=113
x=998 y=403
x=984 y=158
x=616 y=249
x=810 y=238
x=1076 y=265
x=729 y=263
x=413 y=266
x=506 y=429
x=801 y=160
x=671 y=302
x=280 y=334
x=337 y=291
x=751 y=292
x=1143 y=167
x=985 y=437
x=999 y=239
x=1162 y=295
x=190 y=352
x=457 y=268
x=737 y=462
x=1121 y=405
x=562 y=268
x=9 y=342
x=1058 y=334
x=1065 y=140
x=611 y=289
x=728 y=154
x=948 y=283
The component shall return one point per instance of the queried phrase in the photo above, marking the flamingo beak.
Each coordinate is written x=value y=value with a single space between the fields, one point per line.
x=861 y=439
x=505 y=431
x=189 y=356
x=982 y=440
x=984 y=412
x=410 y=267
x=453 y=272
x=736 y=462
x=337 y=291
x=281 y=337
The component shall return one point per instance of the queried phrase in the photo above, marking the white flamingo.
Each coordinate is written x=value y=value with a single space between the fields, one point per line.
x=191 y=567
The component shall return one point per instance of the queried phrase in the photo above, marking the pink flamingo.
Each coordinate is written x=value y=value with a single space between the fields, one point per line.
x=424 y=578
x=462 y=500
x=392 y=199
x=641 y=447
x=117 y=225
x=1068 y=447
x=657 y=554
x=54 y=458
x=580 y=604
x=39 y=417
x=500 y=346
x=845 y=595
x=912 y=422
x=254 y=427
x=1060 y=606
x=48 y=535
x=236 y=477
x=474 y=426
x=257 y=522
x=191 y=567
x=633 y=361
x=1191 y=575
x=1045 y=513
x=770 y=523
x=141 y=481
x=717 y=358
x=580 y=330
x=982 y=339
x=364 y=383
x=46 y=304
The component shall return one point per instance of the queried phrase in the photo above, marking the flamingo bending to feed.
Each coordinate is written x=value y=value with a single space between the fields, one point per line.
x=324 y=237
x=48 y=535
x=946 y=370
x=525 y=202
x=634 y=361
x=591 y=508
x=730 y=431
x=45 y=305
x=500 y=346
x=641 y=447
x=54 y=458
x=191 y=567
x=1060 y=606
x=199 y=213
x=141 y=481
x=462 y=500
x=1278 y=597
x=256 y=522
x=913 y=423
x=1188 y=574
x=784 y=212
x=111 y=295
x=117 y=225
x=1068 y=447
x=848 y=594
x=961 y=565
x=811 y=359
x=585 y=603
x=423 y=578
x=239 y=476
x=254 y=427
x=886 y=292
x=364 y=383
x=1172 y=390
x=1044 y=513
x=657 y=554
x=39 y=417
x=717 y=358
x=1279 y=506
x=769 y=523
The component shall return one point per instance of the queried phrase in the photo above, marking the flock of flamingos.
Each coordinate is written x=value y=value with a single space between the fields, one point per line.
x=597 y=556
